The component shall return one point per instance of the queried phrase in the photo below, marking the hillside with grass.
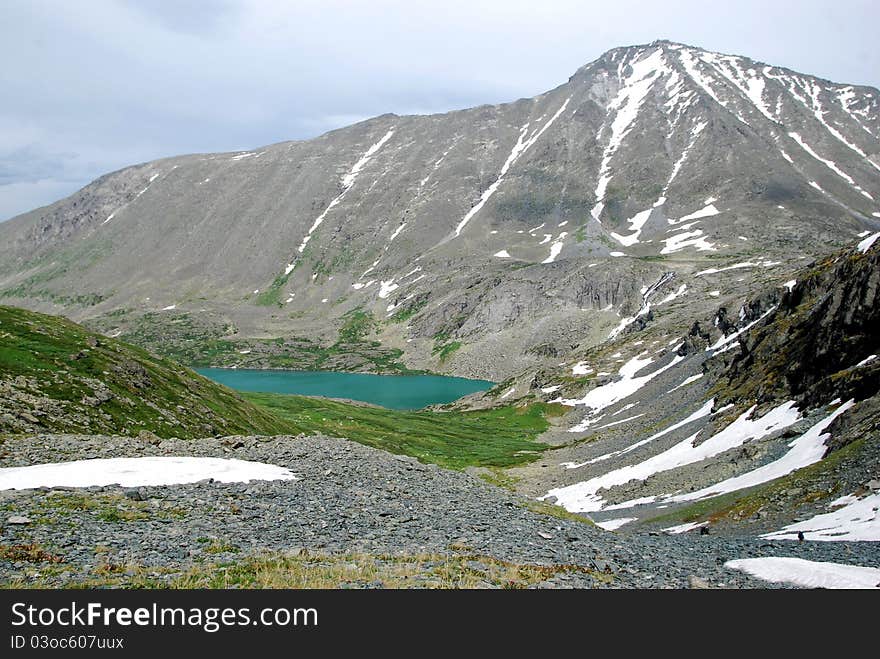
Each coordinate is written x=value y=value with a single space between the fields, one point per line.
x=499 y=437
x=56 y=376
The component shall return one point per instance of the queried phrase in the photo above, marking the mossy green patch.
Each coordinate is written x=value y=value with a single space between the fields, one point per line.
x=443 y=352
x=410 y=310
x=444 y=346
x=272 y=295
x=111 y=508
x=498 y=437
x=356 y=326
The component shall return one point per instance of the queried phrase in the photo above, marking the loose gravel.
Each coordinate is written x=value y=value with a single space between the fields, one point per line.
x=347 y=498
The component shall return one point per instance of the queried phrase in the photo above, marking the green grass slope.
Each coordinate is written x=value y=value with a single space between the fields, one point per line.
x=56 y=376
x=498 y=437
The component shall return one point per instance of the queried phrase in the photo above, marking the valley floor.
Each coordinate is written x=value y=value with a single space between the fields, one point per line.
x=353 y=516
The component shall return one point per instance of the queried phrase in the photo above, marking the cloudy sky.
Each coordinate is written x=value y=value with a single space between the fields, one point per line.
x=93 y=85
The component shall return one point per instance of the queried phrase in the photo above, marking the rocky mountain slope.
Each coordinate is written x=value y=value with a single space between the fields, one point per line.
x=479 y=242
x=772 y=414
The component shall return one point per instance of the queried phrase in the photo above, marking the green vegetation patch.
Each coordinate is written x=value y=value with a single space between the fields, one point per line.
x=356 y=326
x=111 y=508
x=444 y=351
x=444 y=346
x=498 y=437
x=198 y=341
x=272 y=295
x=410 y=310
x=60 y=264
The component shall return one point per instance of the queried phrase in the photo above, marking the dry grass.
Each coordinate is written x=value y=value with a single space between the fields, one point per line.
x=328 y=571
x=30 y=553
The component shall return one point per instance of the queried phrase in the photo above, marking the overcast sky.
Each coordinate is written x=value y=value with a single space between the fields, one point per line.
x=90 y=86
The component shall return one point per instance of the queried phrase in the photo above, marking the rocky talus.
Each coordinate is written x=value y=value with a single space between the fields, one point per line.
x=346 y=499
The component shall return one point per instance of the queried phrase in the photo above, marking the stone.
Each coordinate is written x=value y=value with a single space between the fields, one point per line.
x=18 y=520
x=697 y=583
x=149 y=437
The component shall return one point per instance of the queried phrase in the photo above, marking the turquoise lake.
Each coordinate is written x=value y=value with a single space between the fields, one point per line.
x=396 y=392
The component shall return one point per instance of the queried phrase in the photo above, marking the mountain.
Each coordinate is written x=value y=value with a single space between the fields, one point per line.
x=669 y=264
x=663 y=245
x=515 y=230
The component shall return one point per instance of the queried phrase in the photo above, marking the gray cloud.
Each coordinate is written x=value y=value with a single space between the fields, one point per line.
x=90 y=87
x=188 y=16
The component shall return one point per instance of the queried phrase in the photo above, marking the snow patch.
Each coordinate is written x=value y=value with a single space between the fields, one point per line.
x=807 y=449
x=694 y=239
x=865 y=244
x=614 y=524
x=581 y=368
x=386 y=288
x=709 y=210
x=704 y=411
x=682 y=290
x=830 y=164
x=137 y=472
x=737 y=266
x=686 y=382
x=555 y=248
x=856 y=521
x=633 y=91
x=397 y=232
x=725 y=340
x=684 y=528
x=608 y=394
x=809 y=574
x=584 y=497
x=617 y=423
x=635 y=226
